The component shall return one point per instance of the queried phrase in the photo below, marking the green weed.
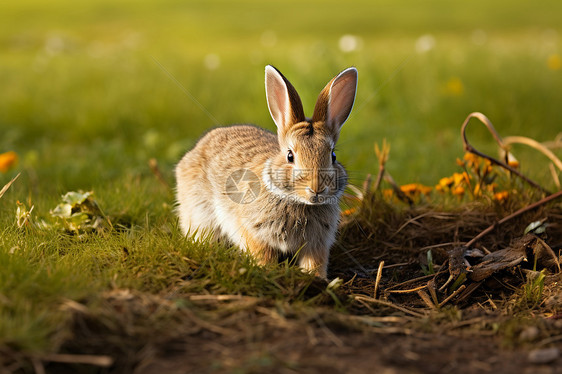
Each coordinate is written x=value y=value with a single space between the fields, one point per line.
x=533 y=290
x=429 y=269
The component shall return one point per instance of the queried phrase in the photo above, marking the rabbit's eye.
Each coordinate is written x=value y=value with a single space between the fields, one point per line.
x=333 y=157
x=290 y=157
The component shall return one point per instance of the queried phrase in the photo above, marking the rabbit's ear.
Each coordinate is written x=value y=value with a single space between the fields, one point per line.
x=282 y=99
x=336 y=100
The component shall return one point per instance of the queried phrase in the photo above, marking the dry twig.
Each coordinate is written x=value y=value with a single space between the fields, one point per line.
x=536 y=145
x=387 y=303
x=5 y=188
x=102 y=361
x=378 y=279
x=469 y=148
x=513 y=215
x=416 y=280
x=426 y=299
x=448 y=298
x=382 y=155
x=415 y=289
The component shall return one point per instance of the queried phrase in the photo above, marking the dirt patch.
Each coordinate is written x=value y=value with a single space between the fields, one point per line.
x=355 y=353
x=256 y=336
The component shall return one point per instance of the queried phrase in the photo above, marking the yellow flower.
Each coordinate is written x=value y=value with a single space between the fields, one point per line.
x=426 y=190
x=491 y=187
x=477 y=190
x=501 y=196
x=349 y=211
x=554 y=62
x=409 y=188
x=458 y=178
x=414 y=189
x=472 y=159
x=458 y=190
x=445 y=182
x=454 y=87
x=487 y=169
x=513 y=163
x=387 y=193
x=7 y=161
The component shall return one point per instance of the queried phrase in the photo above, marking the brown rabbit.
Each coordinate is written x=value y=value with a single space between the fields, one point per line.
x=272 y=194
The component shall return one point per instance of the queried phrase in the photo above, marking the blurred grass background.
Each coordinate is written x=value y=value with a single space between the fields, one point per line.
x=85 y=103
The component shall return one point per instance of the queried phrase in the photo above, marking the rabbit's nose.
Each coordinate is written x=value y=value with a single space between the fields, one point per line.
x=313 y=192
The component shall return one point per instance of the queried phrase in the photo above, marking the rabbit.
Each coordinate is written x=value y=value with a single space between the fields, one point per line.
x=272 y=194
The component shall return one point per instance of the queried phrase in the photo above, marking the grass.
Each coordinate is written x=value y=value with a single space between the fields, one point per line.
x=47 y=268
x=68 y=82
x=86 y=104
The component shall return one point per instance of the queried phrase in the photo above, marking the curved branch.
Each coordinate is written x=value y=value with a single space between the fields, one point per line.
x=469 y=148
x=536 y=145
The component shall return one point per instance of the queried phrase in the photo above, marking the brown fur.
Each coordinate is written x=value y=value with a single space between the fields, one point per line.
x=286 y=215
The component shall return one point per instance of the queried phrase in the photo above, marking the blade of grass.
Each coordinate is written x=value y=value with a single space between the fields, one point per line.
x=7 y=185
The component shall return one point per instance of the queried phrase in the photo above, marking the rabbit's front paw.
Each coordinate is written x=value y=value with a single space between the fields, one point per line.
x=315 y=263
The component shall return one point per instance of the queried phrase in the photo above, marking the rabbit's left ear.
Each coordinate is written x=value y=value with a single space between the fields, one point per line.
x=283 y=100
x=336 y=100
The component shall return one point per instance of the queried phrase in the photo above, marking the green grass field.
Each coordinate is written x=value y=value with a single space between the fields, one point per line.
x=87 y=100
